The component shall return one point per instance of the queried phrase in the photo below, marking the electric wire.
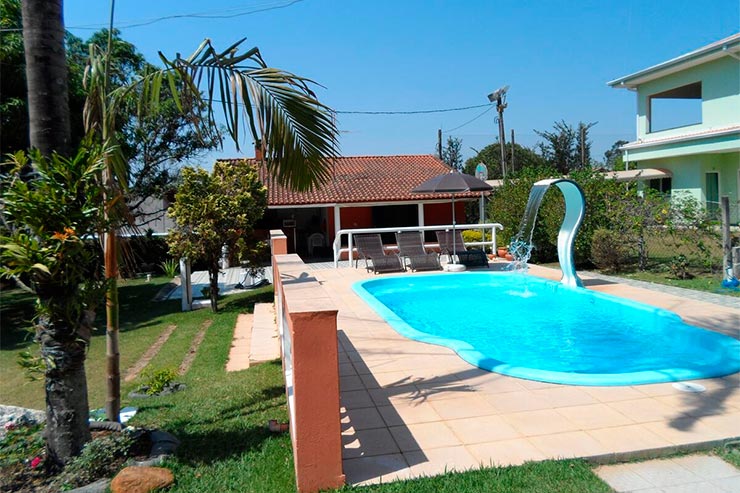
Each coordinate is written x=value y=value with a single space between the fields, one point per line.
x=412 y=112
x=469 y=121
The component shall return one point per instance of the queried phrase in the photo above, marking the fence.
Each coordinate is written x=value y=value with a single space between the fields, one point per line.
x=307 y=326
x=338 y=250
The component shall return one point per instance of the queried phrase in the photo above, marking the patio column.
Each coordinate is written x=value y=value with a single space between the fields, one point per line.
x=420 y=213
x=337 y=220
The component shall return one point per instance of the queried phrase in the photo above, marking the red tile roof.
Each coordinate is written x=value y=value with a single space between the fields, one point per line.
x=359 y=179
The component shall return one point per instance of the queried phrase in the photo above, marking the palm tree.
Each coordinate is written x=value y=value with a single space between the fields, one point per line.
x=295 y=131
x=46 y=76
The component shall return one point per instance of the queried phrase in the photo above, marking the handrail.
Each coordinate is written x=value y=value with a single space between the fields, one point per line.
x=337 y=245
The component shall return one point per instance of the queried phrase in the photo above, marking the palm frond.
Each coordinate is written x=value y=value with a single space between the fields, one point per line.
x=281 y=110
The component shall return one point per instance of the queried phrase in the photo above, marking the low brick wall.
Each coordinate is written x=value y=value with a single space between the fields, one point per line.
x=307 y=323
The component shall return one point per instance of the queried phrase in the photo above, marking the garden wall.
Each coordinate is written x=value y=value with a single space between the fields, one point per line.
x=307 y=324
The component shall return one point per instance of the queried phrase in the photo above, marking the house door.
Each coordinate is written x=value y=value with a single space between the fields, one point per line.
x=712 y=191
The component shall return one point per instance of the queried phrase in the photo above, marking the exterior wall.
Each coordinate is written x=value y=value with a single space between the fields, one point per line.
x=689 y=175
x=720 y=97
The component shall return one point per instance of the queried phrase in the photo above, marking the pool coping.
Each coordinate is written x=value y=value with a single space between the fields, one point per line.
x=408 y=409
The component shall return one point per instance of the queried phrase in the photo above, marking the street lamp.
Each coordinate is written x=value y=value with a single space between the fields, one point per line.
x=499 y=97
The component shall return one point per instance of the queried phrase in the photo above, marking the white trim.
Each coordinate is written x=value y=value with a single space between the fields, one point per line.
x=680 y=138
x=420 y=213
x=713 y=51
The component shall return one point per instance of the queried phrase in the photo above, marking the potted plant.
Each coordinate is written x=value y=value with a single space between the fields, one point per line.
x=502 y=251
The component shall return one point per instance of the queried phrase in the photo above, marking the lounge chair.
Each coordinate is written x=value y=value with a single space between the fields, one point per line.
x=411 y=248
x=370 y=247
x=469 y=258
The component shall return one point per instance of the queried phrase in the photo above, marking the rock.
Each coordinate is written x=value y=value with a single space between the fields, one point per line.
x=138 y=479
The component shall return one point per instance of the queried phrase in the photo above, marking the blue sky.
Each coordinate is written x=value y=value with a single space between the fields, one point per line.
x=380 y=55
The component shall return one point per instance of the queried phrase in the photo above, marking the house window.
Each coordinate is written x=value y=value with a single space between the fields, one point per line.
x=712 y=192
x=662 y=185
x=675 y=108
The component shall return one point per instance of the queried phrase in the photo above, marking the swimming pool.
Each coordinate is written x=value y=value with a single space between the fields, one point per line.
x=532 y=328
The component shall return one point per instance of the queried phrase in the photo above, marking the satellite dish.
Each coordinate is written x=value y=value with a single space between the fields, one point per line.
x=481 y=172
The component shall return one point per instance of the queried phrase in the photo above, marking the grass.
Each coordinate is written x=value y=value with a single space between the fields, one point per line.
x=711 y=283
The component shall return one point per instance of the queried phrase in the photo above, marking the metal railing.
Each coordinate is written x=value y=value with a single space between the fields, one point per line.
x=338 y=250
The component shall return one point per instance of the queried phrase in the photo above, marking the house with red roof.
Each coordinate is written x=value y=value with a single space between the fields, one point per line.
x=363 y=192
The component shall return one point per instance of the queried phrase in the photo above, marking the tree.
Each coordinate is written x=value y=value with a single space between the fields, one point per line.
x=566 y=148
x=613 y=157
x=13 y=96
x=491 y=157
x=155 y=144
x=295 y=130
x=213 y=211
x=46 y=216
x=46 y=76
x=451 y=153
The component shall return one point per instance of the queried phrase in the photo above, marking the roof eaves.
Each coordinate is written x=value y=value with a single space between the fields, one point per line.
x=726 y=46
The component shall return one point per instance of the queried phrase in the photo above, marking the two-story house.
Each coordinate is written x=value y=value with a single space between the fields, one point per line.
x=688 y=123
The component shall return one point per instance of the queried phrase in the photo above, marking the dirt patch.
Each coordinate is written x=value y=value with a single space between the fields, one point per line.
x=190 y=357
x=150 y=353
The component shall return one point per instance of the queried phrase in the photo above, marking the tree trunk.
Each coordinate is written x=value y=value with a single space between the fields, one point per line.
x=213 y=277
x=113 y=373
x=46 y=75
x=67 y=430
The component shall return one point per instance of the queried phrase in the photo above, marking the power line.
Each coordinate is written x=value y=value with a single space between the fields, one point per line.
x=214 y=14
x=470 y=121
x=414 y=112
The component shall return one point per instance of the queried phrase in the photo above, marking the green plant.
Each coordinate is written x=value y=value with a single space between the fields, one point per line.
x=610 y=250
x=679 y=267
x=50 y=207
x=170 y=267
x=155 y=381
x=100 y=458
x=24 y=439
x=471 y=235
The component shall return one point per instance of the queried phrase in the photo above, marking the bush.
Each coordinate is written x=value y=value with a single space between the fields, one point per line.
x=100 y=458
x=471 y=235
x=155 y=381
x=610 y=250
x=679 y=267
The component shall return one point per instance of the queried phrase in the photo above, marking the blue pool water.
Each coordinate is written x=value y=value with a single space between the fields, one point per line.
x=532 y=328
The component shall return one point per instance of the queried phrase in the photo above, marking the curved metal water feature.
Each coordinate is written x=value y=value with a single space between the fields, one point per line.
x=575 y=209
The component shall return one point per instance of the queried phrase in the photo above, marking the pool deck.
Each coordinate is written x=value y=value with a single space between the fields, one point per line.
x=410 y=409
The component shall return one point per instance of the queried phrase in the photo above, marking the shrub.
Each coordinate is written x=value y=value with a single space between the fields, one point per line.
x=470 y=235
x=170 y=267
x=155 y=381
x=679 y=267
x=100 y=458
x=610 y=250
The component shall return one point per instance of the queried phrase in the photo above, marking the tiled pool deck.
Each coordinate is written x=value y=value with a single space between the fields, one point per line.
x=411 y=409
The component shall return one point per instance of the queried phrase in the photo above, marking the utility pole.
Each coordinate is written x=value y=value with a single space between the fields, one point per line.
x=439 y=143
x=583 y=146
x=512 y=150
x=499 y=97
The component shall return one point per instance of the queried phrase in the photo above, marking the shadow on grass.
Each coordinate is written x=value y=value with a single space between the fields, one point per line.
x=231 y=431
x=245 y=304
x=16 y=314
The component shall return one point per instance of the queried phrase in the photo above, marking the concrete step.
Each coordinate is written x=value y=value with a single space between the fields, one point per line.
x=265 y=345
x=241 y=344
